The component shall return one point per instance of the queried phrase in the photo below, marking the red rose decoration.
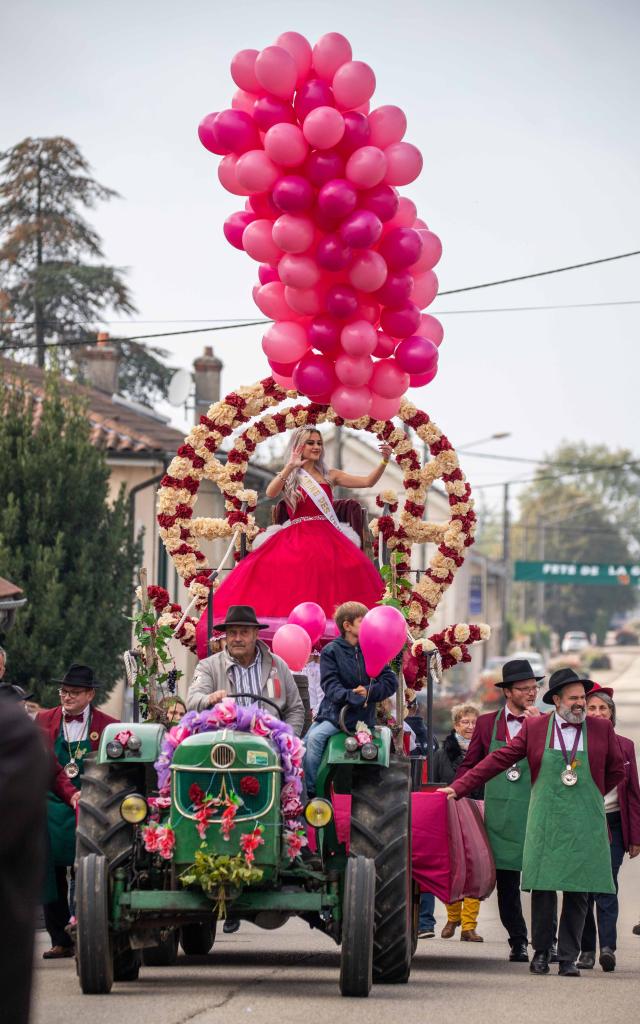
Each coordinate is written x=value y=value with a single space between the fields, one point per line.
x=196 y=795
x=249 y=785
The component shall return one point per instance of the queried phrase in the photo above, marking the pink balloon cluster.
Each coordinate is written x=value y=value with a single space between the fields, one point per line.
x=346 y=265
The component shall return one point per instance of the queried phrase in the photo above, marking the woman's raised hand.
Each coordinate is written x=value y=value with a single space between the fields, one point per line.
x=385 y=451
x=296 y=460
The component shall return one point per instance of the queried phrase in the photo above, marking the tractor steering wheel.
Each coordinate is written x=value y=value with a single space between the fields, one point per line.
x=259 y=700
x=342 y=723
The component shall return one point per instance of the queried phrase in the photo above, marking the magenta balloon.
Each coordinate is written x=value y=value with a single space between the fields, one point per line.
x=286 y=342
x=208 y=136
x=416 y=355
x=270 y=300
x=234 y=227
x=396 y=290
x=293 y=194
x=358 y=338
x=332 y=254
x=385 y=346
x=298 y=271
x=314 y=375
x=330 y=52
x=418 y=380
x=368 y=272
x=323 y=127
x=284 y=369
x=342 y=301
x=383 y=634
x=425 y=289
x=366 y=167
x=262 y=204
x=431 y=252
x=354 y=370
x=310 y=617
x=368 y=309
x=361 y=229
x=235 y=130
x=300 y=50
x=381 y=200
x=337 y=199
x=292 y=644
x=431 y=328
x=306 y=301
x=243 y=70
x=353 y=84
x=388 y=379
x=242 y=100
x=314 y=93
x=293 y=233
x=286 y=145
x=256 y=172
x=269 y=110
x=276 y=71
x=401 y=248
x=356 y=132
x=324 y=334
x=267 y=274
x=228 y=177
x=384 y=408
x=387 y=125
x=323 y=167
x=404 y=163
x=257 y=241
x=351 y=403
x=400 y=321
x=284 y=382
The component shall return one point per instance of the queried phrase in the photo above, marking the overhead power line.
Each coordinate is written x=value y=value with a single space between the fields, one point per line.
x=541 y=273
x=561 y=476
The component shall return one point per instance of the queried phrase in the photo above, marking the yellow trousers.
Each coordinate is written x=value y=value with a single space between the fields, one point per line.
x=464 y=912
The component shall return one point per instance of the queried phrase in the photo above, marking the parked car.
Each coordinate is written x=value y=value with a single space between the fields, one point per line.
x=574 y=641
x=534 y=658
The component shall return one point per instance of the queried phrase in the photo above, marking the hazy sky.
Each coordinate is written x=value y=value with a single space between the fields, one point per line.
x=527 y=117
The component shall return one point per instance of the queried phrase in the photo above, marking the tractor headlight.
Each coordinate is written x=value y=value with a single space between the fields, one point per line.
x=318 y=812
x=369 y=751
x=115 y=749
x=134 y=743
x=351 y=744
x=134 y=808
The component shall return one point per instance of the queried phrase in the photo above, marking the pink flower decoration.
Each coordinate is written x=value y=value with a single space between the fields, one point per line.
x=249 y=842
x=166 y=842
x=362 y=738
x=294 y=841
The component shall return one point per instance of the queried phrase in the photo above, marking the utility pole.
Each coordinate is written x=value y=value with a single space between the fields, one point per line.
x=506 y=559
x=37 y=305
x=542 y=525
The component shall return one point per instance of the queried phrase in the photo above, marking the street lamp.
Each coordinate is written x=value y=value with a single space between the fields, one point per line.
x=494 y=437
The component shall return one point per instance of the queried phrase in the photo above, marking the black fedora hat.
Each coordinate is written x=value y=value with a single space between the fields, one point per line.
x=15 y=691
x=517 y=671
x=564 y=677
x=79 y=677
x=241 y=615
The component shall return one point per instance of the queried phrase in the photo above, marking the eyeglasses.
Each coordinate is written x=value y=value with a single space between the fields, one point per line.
x=71 y=693
x=525 y=689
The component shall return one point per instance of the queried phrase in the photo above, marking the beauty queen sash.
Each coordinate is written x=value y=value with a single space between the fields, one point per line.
x=318 y=497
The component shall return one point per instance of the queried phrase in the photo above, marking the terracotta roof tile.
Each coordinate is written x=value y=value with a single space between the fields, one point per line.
x=8 y=589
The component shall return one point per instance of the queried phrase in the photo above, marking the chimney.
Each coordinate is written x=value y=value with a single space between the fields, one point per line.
x=206 y=371
x=99 y=365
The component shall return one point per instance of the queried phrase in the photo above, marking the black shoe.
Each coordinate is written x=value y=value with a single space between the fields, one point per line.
x=568 y=969
x=636 y=929
x=540 y=962
x=586 y=961
x=231 y=925
x=607 y=959
x=519 y=954
x=553 y=954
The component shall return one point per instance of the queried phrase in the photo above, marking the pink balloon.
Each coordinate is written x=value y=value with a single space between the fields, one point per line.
x=227 y=175
x=381 y=200
x=431 y=252
x=388 y=125
x=406 y=213
x=208 y=137
x=284 y=382
x=292 y=644
x=418 y=380
x=286 y=145
x=323 y=127
x=368 y=272
x=300 y=50
x=400 y=321
x=284 y=369
x=293 y=233
x=324 y=334
x=286 y=342
x=366 y=167
x=330 y=52
x=293 y=194
x=353 y=84
x=332 y=253
x=234 y=227
x=388 y=379
x=384 y=408
x=383 y=634
x=256 y=172
x=337 y=199
x=361 y=229
x=385 y=346
x=269 y=110
x=243 y=70
x=310 y=617
x=257 y=241
x=431 y=328
x=356 y=132
x=401 y=248
x=298 y=271
x=242 y=100
x=342 y=301
x=322 y=167
x=261 y=203
x=235 y=130
x=404 y=163
x=354 y=370
x=359 y=338
x=276 y=71
x=351 y=403
x=425 y=289
x=416 y=355
x=314 y=93
x=307 y=301
x=396 y=290
x=368 y=309
x=314 y=375
x=267 y=274
x=270 y=300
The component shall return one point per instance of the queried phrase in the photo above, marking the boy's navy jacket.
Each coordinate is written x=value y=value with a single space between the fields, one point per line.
x=341 y=671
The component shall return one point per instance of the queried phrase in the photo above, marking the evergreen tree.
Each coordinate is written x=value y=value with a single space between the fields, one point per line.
x=63 y=542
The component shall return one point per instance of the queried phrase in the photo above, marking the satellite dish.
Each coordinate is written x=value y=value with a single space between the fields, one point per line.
x=179 y=387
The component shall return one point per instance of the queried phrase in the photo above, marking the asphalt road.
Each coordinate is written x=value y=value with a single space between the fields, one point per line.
x=291 y=975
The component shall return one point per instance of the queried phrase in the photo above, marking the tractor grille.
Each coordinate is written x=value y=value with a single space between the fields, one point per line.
x=222 y=755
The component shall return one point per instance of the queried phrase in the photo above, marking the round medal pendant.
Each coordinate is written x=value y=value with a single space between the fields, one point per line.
x=513 y=773
x=569 y=777
x=71 y=770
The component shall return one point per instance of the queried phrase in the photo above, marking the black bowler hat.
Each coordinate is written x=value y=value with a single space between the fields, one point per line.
x=241 y=615
x=79 y=677
x=564 y=677
x=15 y=691
x=517 y=671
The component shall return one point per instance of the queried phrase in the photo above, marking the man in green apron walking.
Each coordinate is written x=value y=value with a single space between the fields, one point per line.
x=574 y=761
x=73 y=730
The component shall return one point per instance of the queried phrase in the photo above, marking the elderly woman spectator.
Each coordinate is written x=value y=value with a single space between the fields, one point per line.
x=446 y=762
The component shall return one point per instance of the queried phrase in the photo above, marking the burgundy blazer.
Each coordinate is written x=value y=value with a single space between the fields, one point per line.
x=629 y=794
x=605 y=756
x=49 y=722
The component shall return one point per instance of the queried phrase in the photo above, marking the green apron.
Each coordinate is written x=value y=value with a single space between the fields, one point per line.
x=567 y=843
x=61 y=819
x=506 y=805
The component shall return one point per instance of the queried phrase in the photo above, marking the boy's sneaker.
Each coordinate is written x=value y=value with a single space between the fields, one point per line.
x=428 y=933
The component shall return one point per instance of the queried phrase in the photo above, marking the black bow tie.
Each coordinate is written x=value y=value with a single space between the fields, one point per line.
x=74 y=718
x=514 y=718
x=570 y=725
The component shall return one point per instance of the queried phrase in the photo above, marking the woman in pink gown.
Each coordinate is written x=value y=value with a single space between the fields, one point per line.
x=312 y=557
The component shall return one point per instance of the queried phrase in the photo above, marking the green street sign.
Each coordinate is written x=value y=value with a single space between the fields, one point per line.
x=578 y=573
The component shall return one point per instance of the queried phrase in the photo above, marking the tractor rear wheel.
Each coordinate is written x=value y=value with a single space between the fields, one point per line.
x=95 y=955
x=101 y=828
x=381 y=830
x=198 y=939
x=356 y=954
x=163 y=955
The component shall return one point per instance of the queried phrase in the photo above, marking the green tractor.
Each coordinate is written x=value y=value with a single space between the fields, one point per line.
x=133 y=907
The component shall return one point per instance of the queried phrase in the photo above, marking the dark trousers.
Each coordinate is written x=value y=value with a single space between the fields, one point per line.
x=606 y=903
x=57 y=913
x=427 y=921
x=543 y=909
x=510 y=906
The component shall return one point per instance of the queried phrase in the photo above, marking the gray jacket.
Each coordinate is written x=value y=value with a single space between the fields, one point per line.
x=278 y=685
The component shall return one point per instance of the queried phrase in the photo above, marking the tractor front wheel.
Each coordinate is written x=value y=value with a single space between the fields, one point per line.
x=164 y=954
x=356 y=954
x=95 y=955
x=198 y=939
